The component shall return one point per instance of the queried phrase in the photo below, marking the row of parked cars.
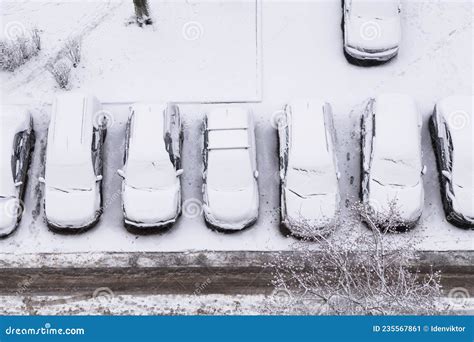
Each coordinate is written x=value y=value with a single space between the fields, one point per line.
x=392 y=167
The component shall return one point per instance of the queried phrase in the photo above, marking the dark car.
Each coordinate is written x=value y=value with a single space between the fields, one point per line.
x=17 y=142
x=452 y=136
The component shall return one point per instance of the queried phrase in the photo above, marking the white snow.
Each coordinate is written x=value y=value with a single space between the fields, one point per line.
x=151 y=191
x=230 y=188
x=372 y=27
x=303 y=58
x=396 y=160
x=71 y=191
x=311 y=190
x=195 y=51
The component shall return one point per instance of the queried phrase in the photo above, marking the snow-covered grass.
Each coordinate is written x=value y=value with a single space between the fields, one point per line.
x=302 y=58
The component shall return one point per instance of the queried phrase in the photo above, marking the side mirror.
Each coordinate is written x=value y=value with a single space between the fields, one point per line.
x=18 y=183
x=179 y=172
x=41 y=180
x=423 y=171
x=255 y=174
x=99 y=178
x=446 y=174
x=121 y=173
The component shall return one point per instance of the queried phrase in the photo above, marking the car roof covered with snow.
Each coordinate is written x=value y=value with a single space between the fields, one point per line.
x=71 y=127
x=397 y=127
x=377 y=9
x=309 y=141
x=147 y=132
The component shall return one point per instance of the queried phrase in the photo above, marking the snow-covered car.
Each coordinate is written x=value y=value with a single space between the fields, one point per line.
x=309 y=186
x=230 y=188
x=151 y=187
x=74 y=161
x=452 y=136
x=392 y=170
x=372 y=29
x=16 y=143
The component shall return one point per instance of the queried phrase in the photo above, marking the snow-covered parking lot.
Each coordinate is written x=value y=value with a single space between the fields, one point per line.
x=286 y=50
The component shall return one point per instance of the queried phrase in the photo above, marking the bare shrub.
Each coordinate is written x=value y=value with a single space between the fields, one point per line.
x=61 y=71
x=36 y=38
x=72 y=51
x=368 y=276
x=17 y=51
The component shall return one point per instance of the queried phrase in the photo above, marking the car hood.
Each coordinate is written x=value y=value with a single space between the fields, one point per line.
x=9 y=214
x=370 y=34
x=409 y=200
x=318 y=211
x=232 y=209
x=150 y=206
x=463 y=202
x=71 y=209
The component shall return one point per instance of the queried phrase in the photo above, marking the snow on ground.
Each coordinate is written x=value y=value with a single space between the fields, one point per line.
x=302 y=57
x=104 y=301
x=196 y=51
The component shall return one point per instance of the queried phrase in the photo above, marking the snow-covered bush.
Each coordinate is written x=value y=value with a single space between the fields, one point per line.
x=17 y=51
x=364 y=276
x=73 y=51
x=61 y=71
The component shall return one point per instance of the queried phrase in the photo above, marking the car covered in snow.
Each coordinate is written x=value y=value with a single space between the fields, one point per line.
x=309 y=175
x=452 y=135
x=392 y=169
x=16 y=143
x=372 y=29
x=230 y=188
x=151 y=187
x=74 y=161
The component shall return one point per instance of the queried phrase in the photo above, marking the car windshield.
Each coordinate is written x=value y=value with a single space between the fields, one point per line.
x=150 y=174
x=229 y=169
x=378 y=9
x=396 y=172
x=311 y=182
x=67 y=177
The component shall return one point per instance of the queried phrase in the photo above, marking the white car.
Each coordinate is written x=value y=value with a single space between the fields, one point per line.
x=310 y=196
x=151 y=187
x=230 y=189
x=392 y=184
x=16 y=143
x=452 y=135
x=372 y=29
x=73 y=169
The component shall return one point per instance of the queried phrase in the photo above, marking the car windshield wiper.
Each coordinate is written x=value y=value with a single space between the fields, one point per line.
x=68 y=190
